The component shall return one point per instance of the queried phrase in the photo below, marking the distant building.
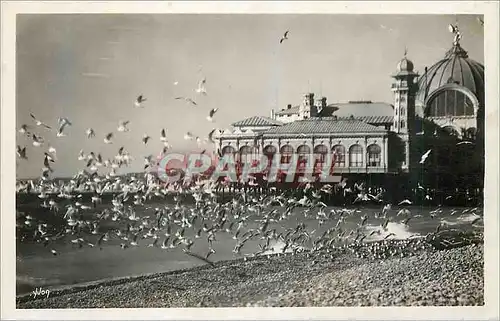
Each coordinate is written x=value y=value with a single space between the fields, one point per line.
x=437 y=110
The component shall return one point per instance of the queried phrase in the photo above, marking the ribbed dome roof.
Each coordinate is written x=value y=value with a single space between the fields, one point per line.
x=456 y=68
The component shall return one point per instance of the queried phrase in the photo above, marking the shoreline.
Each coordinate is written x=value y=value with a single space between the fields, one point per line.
x=294 y=280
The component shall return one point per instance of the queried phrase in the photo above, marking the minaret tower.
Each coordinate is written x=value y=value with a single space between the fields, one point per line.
x=306 y=106
x=405 y=88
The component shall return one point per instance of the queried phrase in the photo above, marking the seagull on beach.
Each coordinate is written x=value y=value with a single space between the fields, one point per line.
x=211 y=114
x=285 y=37
x=424 y=156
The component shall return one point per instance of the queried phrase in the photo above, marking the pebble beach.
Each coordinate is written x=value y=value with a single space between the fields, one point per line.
x=423 y=274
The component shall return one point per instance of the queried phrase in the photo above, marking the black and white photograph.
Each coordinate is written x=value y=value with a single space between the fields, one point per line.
x=259 y=159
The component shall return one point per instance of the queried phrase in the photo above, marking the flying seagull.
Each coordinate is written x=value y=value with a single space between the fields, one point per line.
x=107 y=139
x=405 y=202
x=211 y=135
x=37 y=140
x=138 y=102
x=63 y=123
x=211 y=114
x=424 y=156
x=39 y=122
x=481 y=21
x=163 y=137
x=201 y=87
x=285 y=37
x=188 y=100
x=21 y=152
x=188 y=136
x=24 y=129
x=90 y=133
x=52 y=150
x=145 y=139
x=122 y=126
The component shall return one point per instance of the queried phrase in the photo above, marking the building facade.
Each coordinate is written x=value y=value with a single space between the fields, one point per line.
x=445 y=104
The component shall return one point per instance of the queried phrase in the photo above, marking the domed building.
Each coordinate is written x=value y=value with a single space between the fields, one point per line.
x=451 y=92
x=441 y=110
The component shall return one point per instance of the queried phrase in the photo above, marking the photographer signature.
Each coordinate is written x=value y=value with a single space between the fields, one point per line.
x=39 y=292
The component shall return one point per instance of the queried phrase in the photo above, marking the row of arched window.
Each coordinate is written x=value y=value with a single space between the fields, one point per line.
x=355 y=154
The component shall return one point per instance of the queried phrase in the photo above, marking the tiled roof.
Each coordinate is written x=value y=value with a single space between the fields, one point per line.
x=368 y=119
x=363 y=109
x=257 y=121
x=289 y=111
x=322 y=126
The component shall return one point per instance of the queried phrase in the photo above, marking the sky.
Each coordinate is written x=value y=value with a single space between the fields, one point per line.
x=90 y=68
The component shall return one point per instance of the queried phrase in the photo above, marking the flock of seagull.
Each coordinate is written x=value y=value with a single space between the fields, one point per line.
x=75 y=209
x=137 y=216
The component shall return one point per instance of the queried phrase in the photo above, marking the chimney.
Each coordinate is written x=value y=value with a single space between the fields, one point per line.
x=289 y=106
x=272 y=114
x=323 y=102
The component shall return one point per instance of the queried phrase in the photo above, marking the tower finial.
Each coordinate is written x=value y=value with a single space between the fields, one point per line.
x=406 y=51
x=454 y=29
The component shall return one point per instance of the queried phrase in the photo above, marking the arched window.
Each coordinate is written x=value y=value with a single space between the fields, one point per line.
x=338 y=152
x=403 y=111
x=356 y=156
x=403 y=124
x=450 y=103
x=374 y=153
x=286 y=152
x=246 y=154
x=320 y=152
x=269 y=151
x=228 y=150
x=303 y=151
